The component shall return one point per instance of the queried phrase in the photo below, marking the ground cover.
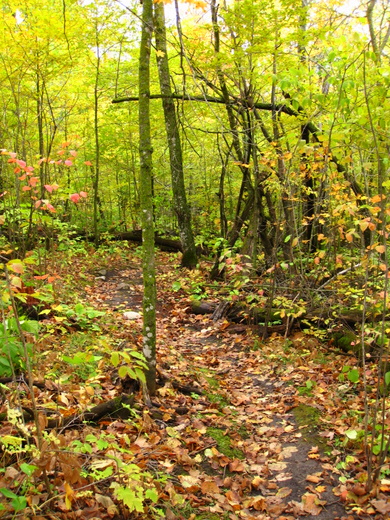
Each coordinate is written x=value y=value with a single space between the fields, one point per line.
x=239 y=428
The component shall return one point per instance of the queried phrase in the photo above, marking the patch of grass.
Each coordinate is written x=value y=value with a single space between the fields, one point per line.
x=221 y=400
x=224 y=443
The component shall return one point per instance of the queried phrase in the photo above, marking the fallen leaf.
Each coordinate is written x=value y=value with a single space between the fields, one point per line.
x=383 y=506
x=312 y=504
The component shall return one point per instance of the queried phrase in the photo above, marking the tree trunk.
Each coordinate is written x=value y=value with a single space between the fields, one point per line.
x=146 y=174
x=182 y=210
x=97 y=142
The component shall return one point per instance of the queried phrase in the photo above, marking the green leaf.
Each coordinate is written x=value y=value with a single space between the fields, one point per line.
x=7 y=493
x=140 y=375
x=151 y=494
x=287 y=239
x=130 y=499
x=19 y=503
x=115 y=359
x=79 y=308
x=176 y=286
x=30 y=326
x=137 y=355
x=353 y=375
x=28 y=469
x=387 y=378
x=351 y=434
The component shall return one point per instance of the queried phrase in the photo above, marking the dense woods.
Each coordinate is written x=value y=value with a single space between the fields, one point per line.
x=249 y=141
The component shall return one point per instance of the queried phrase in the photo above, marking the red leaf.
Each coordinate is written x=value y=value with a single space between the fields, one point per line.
x=75 y=197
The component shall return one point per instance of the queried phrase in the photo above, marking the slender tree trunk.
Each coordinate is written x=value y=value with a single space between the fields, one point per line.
x=146 y=174
x=182 y=210
x=40 y=134
x=97 y=143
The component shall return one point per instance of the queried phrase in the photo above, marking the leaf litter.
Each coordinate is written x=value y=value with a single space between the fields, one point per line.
x=230 y=447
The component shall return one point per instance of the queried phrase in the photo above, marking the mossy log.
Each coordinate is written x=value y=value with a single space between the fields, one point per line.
x=117 y=408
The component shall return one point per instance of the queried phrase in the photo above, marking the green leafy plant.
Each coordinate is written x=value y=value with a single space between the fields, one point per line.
x=82 y=316
x=134 y=366
x=85 y=363
x=307 y=389
x=12 y=357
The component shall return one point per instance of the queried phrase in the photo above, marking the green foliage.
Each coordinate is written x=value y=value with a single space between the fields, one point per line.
x=12 y=355
x=308 y=388
x=135 y=364
x=84 y=363
x=352 y=374
x=84 y=317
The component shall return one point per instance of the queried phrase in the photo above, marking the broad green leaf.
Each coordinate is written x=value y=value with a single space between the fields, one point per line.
x=30 y=326
x=353 y=375
x=79 y=308
x=115 y=358
x=351 y=434
x=123 y=371
x=140 y=375
x=7 y=493
x=28 y=469
x=151 y=494
x=387 y=378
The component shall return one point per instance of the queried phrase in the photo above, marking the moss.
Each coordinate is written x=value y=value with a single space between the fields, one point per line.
x=243 y=432
x=224 y=443
x=219 y=399
x=346 y=340
x=308 y=419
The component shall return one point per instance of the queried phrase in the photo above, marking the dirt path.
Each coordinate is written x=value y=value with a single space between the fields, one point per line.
x=251 y=457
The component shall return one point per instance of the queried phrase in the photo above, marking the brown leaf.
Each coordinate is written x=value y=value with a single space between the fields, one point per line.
x=312 y=504
x=284 y=492
x=236 y=465
x=209 y=487
x=383 y=506
x=313 y=478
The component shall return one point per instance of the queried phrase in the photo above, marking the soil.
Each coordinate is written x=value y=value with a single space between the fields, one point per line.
x=258 y=402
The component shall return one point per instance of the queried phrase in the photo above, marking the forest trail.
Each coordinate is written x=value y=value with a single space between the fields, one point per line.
x=256 y=444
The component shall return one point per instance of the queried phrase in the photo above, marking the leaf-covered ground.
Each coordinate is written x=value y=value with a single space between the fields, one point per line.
x=240 y=428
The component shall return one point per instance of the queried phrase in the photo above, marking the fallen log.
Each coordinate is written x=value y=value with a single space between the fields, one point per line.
x=165 y=244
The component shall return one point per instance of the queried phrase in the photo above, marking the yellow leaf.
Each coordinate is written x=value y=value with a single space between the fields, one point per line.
x=16 y=282
x=380 y=249
x=69 y=495
x=349 y=237
x=294 y=242
x=377 y=198
x=160 y=54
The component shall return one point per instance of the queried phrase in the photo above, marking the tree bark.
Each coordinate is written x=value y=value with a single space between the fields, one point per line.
x=146 y=192
x=182 y=210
